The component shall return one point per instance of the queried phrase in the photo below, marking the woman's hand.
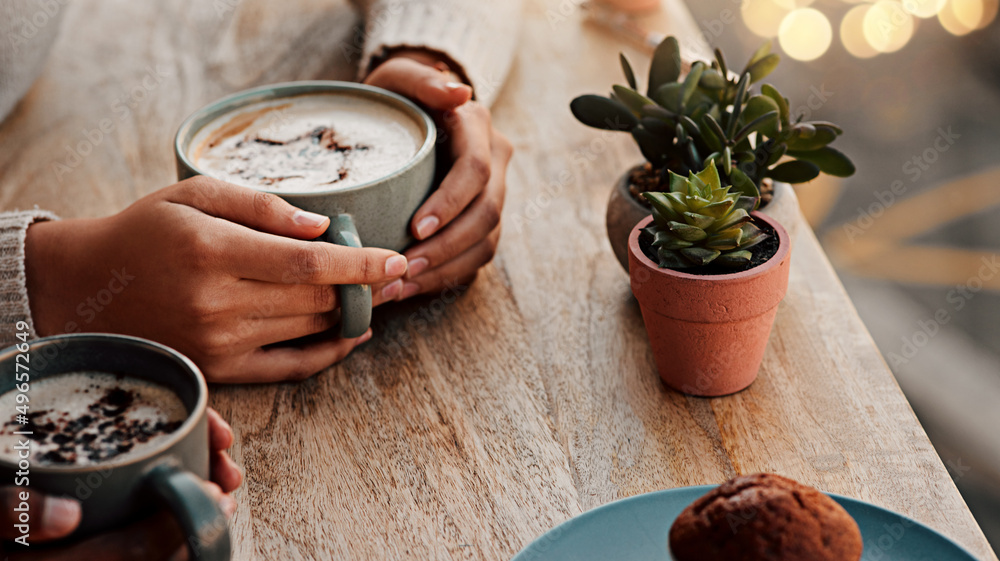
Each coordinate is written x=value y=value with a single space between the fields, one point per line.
x=155 y=538
x=217 y=271
x=459 y=225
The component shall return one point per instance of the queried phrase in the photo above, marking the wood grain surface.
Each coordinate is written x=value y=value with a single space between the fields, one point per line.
x=479 y=418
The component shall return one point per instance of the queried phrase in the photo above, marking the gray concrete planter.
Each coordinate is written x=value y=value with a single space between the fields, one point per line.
x=624 y=213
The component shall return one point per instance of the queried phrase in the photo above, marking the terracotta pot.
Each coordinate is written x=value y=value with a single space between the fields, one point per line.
x=709 y=332
x=624 y=212
x=632 y=6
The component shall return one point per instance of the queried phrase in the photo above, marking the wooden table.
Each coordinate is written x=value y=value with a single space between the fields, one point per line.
x=477 y=420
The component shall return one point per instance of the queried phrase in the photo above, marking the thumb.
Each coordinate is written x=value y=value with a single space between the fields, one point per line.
x=421 y=83
x=50 y=517
x=261 y=211
x=156 y=538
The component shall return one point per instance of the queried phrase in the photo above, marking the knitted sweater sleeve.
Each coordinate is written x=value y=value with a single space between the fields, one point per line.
x=479 y=37
x=13 y=289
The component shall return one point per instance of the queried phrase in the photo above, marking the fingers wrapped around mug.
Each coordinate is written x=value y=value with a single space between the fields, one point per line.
x=50 y=518
x=421 y=82
x=225 y=473
x=286 y=362
x=453 y=255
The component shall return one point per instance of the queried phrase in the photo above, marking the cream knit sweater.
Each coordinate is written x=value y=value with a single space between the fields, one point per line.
x=478 y=35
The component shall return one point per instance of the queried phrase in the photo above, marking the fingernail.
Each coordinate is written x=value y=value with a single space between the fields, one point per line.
x=239 y=473
x=452 y=86
x=310 y=219
x=391 y=290
x=409 y=289
x=364 y=338
x=233 y=465
x=60 y=516
x=427 y=226
x=395 y=266
x=417 y=266
x=228 y=505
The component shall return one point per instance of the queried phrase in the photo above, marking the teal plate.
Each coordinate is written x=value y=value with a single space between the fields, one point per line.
x=636 y=528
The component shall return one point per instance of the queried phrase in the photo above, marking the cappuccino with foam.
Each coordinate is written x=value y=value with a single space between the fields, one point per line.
x=307 y=143
x=85 y=418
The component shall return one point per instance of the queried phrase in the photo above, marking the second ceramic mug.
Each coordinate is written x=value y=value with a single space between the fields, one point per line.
x=115 y=492
x=374 y=214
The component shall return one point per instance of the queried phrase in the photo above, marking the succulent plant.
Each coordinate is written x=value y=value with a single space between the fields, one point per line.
x=700 y=221
x=709 y=115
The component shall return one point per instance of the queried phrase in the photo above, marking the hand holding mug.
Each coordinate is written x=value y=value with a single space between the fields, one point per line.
x=157 y=537
x=459 y=225
x=216 y=271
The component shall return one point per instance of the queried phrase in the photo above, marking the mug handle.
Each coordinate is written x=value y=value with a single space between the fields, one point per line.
x=204 y=524
x=355 y=299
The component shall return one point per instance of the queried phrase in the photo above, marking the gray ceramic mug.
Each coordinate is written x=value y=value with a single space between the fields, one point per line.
x=113 y=493
x=373 y=214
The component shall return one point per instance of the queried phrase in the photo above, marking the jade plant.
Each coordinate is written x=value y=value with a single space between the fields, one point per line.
x=700 y=221
x=713 y=115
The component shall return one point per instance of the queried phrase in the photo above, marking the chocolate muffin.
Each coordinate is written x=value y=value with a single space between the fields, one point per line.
x=765 y=517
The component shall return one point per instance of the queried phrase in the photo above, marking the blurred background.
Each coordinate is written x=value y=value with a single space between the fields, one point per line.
x=915 y=234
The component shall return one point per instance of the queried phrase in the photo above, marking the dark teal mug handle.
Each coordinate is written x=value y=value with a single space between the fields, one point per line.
x=203 y=522
x=355 y=299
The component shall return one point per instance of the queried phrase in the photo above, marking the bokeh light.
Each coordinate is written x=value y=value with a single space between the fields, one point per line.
x=868 y=28
x=959 y=17
x=792 y=4
x=763 y=17
x=990 y=9
x=805 y=34
x=887 y=26
x=852 y=32
x=968 y=12
x=923 y=8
